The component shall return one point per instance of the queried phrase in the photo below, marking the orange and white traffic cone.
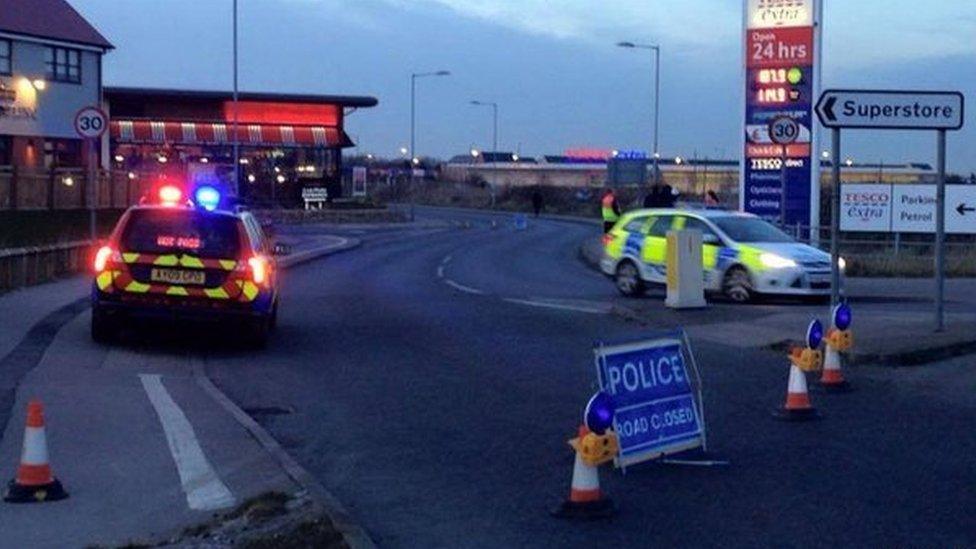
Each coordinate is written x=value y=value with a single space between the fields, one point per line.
x=34 y=481
x=797 y=407
x=586 y=500
x=832 y=378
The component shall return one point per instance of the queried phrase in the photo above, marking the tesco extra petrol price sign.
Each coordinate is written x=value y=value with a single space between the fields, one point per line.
x=656 y=409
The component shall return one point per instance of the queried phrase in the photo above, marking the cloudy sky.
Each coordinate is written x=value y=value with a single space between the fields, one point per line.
x=550 y=64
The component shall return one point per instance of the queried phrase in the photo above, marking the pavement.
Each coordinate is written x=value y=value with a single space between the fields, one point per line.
x=428 y=381
x=894 y=318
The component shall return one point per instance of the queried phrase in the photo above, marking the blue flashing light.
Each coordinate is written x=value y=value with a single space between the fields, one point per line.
x=207 y=197
x=815 y=334
x=842 y=316
x=598 y=415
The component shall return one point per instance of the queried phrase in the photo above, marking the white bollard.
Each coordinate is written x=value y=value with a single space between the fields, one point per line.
x=685 y=270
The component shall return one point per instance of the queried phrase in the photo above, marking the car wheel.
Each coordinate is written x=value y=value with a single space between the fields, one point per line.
x=628 y=280
x=737 y=285
x=102 y=327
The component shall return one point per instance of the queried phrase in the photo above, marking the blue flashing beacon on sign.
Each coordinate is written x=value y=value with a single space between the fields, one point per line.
x=815 y=334
x=598 y=415
x=842 y=316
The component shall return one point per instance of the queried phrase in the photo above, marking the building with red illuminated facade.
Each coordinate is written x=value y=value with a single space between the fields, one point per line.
x=286 y=142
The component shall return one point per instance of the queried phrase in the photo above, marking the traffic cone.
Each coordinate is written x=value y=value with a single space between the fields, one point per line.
x=34 y=481
x=832 y=378
x=586 y=500
x=797 y=407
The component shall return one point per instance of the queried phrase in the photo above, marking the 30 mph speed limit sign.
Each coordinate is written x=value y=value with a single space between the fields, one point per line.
x=91 y=122
x=783 y=130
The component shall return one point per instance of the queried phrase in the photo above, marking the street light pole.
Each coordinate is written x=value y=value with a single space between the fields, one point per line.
x=237 y=147
x=494 y=144
x=414 y=159
x=657 y=99
x=413 y=110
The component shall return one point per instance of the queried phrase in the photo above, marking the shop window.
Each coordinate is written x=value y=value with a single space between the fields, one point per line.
x=5 y=53
x=64 y=65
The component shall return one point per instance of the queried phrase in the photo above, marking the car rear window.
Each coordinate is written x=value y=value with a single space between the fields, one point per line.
x=184 y=231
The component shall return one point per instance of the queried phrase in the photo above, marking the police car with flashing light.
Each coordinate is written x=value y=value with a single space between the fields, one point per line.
x=743 y=255
x=175 y=257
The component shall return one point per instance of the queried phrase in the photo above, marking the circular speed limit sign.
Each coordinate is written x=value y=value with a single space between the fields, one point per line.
x=783 y=130
x=91 y=122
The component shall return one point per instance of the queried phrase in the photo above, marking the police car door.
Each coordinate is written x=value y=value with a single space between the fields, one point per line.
x=655 y=252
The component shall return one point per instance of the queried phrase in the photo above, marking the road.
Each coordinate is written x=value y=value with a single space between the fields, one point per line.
x=439 y=415
x=430 y=378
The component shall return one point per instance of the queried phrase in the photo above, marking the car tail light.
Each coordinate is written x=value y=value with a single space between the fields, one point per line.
x=607 y=239
x=259 y=269
x=102 y=256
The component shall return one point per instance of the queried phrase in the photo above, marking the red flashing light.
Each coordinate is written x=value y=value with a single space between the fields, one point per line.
x=170 y=195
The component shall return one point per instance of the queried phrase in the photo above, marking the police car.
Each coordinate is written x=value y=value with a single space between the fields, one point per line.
x=180 y=258
x=742 y=255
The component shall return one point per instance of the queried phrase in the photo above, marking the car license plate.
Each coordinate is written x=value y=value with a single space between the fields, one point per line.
x=178 y=276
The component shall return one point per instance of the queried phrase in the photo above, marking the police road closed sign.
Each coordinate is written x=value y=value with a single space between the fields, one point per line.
x=656 y=408
x=891 y=109
x=91 y=122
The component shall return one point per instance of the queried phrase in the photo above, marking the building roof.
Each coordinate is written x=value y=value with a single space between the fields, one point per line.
x=52 y=19
x=342 y=100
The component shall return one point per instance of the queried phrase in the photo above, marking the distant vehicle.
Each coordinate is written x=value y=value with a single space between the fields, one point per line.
x=743 y=255
x=176 y=258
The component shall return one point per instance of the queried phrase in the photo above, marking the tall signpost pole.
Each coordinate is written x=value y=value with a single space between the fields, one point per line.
x=834 y=218
x=940 y=234
x=92 y=190
x=90 y=124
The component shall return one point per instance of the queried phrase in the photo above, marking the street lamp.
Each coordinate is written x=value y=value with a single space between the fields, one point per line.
x=657 y=96
x=494 y=143
x=413 y=105
x=237 y=145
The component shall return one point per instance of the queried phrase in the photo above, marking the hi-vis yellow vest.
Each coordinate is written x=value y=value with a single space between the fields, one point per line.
x=608 y=213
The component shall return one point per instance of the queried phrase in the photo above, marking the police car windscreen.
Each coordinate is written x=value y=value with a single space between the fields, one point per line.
x=750 y=229
x=181 y=231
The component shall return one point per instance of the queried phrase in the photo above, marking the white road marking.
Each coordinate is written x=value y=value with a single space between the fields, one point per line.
x=440 y=271
x=462 y=287
x=203 y=488
x=447 y=259
x=561 y=306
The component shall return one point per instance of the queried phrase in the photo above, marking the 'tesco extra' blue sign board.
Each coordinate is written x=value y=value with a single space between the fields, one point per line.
x=656 y=412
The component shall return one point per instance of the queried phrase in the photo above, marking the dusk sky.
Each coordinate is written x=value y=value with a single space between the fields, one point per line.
x=550 y=64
